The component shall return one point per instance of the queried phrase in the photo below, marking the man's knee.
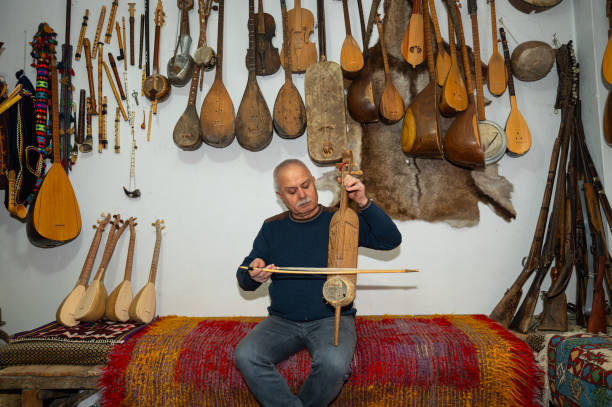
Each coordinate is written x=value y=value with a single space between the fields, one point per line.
x=243 y=355
x=334 y=364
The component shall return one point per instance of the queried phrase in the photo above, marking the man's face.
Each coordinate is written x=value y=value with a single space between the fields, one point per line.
x=298 y=192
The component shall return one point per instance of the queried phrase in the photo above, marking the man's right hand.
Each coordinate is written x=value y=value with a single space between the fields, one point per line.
x=257 y=273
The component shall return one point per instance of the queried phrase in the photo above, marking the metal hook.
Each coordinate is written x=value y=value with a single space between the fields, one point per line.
x=556 y=42
x=501 y=21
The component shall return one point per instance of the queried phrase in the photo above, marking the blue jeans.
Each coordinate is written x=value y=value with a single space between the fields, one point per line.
x=275 y=339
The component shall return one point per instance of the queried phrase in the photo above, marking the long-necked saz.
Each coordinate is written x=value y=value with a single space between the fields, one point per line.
x=454 y=97
x=289 y=118
x=443 y=59
x=300 y=24
x=497 y=75
x=325 y=112
x=186 y=134
x=391 y=104
x=54 y=218
x=351 y=57
x=93 y=304
x=217 y=112
x=267 y=59
x=142 y=308
x=412 y=43
x=462 y=141
x=119 y=300
x=67 y=309
x=360 y=94
x=253 y=121
x=421 y=126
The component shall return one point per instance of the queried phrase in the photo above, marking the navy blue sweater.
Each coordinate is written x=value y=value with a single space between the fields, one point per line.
x=285 y=242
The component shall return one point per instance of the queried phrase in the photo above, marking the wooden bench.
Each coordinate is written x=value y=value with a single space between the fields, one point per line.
x=35 y=383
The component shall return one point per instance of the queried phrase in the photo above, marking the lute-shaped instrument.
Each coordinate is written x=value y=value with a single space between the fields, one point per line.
x=606 y=64
x=497 y=75
x=92 y=305
x=351 y=57
x=339 y=291
x=217 y=115
x=142 y=308
x=119 y=300
x=300 y=24
x=67 y=309
x=253 y=121
x=412 y=43
x=443 y=59
x=391 y=105
x=421 y=126
x=289 y=118
x=517 y=131
x=454 y=97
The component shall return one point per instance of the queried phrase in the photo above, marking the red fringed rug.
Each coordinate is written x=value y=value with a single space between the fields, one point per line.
x=443 y=360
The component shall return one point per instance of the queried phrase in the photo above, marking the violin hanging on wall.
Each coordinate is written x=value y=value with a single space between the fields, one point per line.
x=267 y=59
x=300 y=23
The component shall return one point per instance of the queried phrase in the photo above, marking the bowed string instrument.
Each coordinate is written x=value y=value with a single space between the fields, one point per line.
x=267 y=59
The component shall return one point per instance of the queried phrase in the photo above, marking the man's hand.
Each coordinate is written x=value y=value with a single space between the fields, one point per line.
x=257 y=273
x=356 y=190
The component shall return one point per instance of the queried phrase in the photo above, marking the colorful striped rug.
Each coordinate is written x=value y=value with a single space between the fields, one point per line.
x=440 y=360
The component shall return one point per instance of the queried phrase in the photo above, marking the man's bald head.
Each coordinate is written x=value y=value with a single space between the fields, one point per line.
x=289 y=163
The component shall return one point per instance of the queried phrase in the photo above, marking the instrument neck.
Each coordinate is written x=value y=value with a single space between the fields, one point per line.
x=477 y=67
x=91 y=255
x=156 y=48
x=321 y=22
x=219 y=71
x=286 y=43
x=434 y=17
x=466 y=61
x=261 y=23
x=493 y=26
x=154 y=262
x=502 y=34
x=383 y=48
x=130 y=256
x=68 y=14
x=416 y=7
x=428 y=43
x=451 y=41
x=55 y=112
x=251 y=65
x=347 y=21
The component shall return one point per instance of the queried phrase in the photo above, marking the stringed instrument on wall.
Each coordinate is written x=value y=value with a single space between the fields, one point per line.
x=351 y=58
x=497 y=75
x=181 y=65
x=453 y=97
x=413 y=40
x=421 y=126
x=217 y=111
x=517 y=131
x=119 y=300
x=55 y=218
x=462 y=140
x=443 y=59
x=67 y=309
x=339 y=290
x=266 y=55
x=391 y=104
x=300 y=25
x=606 y=67
x=253 y=121
x=142 y=308
x=289 y=118
x=93 y=304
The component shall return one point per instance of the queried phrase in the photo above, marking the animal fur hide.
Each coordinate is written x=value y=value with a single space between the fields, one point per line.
x=409 y=188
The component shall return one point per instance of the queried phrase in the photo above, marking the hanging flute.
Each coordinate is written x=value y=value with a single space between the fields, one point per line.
x=142 y=17
x=100 y=118
x=92 y=90
x=117 y=120
x=121 y=53
x=116 y=74
x=131 y=10
x=80 y=136
x=66 y=130
x=124 y=43
x=77 y=55
x=87 y=144
x=114 y=89
x=111 y=22
x=98 y=32
x=102 y=140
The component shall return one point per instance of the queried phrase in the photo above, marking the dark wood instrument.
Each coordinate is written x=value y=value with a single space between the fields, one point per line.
x=300 y=24
x=253 y=121
x=156 y=86
x=114 y=89
x=142 y=308
x=101 y=119
x=87 y=145
x=111 y=22
x=325 y=111
x=217 y=115
x=77 y=54
x=391 y=105
x=530 y=6
x=443 y=59
x=360 y=95
x=117 y=135
x=102 y=139
x=146 y=34
x=119 y=300
x=517 y=131
x=532 y=60
x=342 y=248
x=121 y=56
x=289 y=118
x=98 y=32
x=186 y=134
x=80 y=134
x=351 y=57
x=412 y=43
x=462 y=141
x=111 y=59
x=421 y=126
x=67 y=309
x=55 y=219
x=497 y=75
x=142 y=23
x=454 y=97
x=131 y=10
x=606 y=63
x=266 y=55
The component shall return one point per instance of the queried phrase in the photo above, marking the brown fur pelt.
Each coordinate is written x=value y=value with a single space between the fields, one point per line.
x=408 y=188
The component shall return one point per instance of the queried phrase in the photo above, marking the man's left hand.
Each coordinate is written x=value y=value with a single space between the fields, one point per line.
x=356 y=190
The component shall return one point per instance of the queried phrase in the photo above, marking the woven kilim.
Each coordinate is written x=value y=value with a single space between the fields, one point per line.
x=447 y=360
x=99 y=332
x=580 y=370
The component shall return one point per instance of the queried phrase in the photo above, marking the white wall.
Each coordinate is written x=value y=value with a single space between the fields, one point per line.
x=214 y=200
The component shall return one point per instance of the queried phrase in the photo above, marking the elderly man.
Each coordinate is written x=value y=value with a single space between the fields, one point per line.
x=298 y=315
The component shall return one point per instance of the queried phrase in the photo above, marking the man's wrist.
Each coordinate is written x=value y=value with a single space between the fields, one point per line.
x=365 y=204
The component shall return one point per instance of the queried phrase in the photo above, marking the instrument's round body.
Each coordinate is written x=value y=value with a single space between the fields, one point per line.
x=205 y=56
x=360 y=98
x=421 y=128
x=180 y=67
x=530 y=6
x=217 y=116
x=93 y=304
x=453 y=97
x=142 y=308
x=532 y=60
x=289 y=112
x=339 y=291
x=493 y=140
x=67 y=309
x=186 y=134
x=461 y=143
x=351 y=58
x=118 y=302
x=156 y=86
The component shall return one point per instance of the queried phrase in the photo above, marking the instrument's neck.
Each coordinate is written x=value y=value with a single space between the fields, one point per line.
x=466 y=62
x=156 y=48
x=297 y=6
x=477 y=67
x=451 y=41
x=493 y=26
x=383 y=48
x=434 y=17
x=219 y=71
x=347 y=21
x=130 y=256
x=428 y=43
x=89 y=260
x=146 y=28
x=502 y=34
x=261 y=25
x=68 y=13
x=286 y=43
x=251 y=65
x=362 y=25
x=321 y=22
x=153 y=272
x=55 y=112
x=416 y=8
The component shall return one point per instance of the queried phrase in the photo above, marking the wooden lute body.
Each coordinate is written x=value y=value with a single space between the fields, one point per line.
x=67 y=309
x=412 y=43
x=119 y=300
x=142 y=308
x=391 y=105
x=55 y=218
